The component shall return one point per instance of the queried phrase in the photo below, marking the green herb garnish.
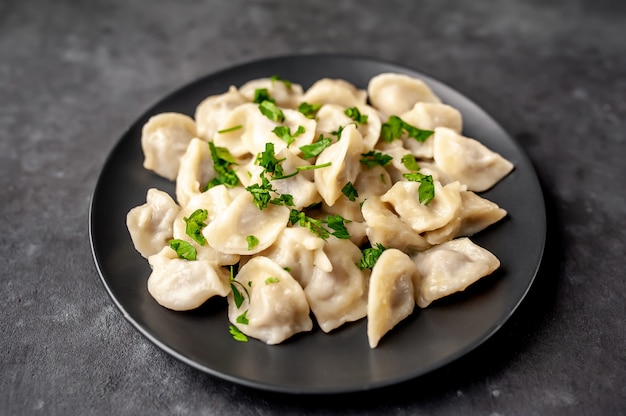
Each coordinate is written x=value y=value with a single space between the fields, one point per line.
x=426 y=190
x=252 y=242
x=350 y=191
x=370 y=256
x=183 y=249
x=314 y=149
x=270 y=280
x=195 y=224
x=269 y=110
x=337 y=223
x=237 y=334
x=309 y=110
x=261 y=192
x=373 y=158
x=312 y=167
x=243 y=318
x=395 y=126
x=222 y=162
x=284 y=81
x=285 y=134
x=409 y=162
x=356 y=115
x=268 y=161
x=228 y=130
x=260 y=95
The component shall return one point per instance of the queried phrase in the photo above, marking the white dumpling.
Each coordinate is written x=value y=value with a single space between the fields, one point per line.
x=477 y=213
x=150 y=224
x=344 y=156
x=274 y=307
x=335 y=91
x=286 y=95
x=212 y=110
x=404 y=198
x=351 y=211
x=195 y=172
x=394 y=94
x=391 y=295
x=164 y=139
x=339 y=295
x=331 y=117
x=215 y=201
x=386 y=228
x=296 y=249
x=468 y=161
x=451 y=267
x=300 y=186
x=373 y=181
x=183 y=285
x=230 y=231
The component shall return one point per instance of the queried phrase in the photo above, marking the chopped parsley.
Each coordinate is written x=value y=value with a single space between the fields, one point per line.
x=337 y=223
x=287 y=83
x=269 y=110
x=334 y=222
x=222 y=162
x=309 y=110
x=337 y=133
x=228 y=130
x=195 y=224
x=243 y=318
x=260 y=95
x=312 y=167
x=395 y=127
x=261 y=192
x=268 y=161
x=183 y=249
x=426 y=190
x=409 y=162
x=252 y=242
x=356 y=115
x=285 y=134
x=237 y=334
x=373 y=158
x=350 y=191
x=238 y=296
x=370 y=256
x=314 y=149
x=283 y=199
x=271 y=279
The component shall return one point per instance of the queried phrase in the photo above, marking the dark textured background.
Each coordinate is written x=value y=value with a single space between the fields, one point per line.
x=74 y=75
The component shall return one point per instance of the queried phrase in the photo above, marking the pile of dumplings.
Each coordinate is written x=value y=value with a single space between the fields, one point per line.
x=289 y=275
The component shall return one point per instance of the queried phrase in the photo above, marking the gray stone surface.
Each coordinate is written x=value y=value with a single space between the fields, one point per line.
x=74 y=75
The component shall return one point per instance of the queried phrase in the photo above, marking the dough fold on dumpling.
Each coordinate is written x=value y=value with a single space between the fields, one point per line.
x=451 y=267
x=274 y=306
x=210 y=112
x=394 y=94
x=195 y=172
x=391 y=294
x=150 y=224
x=164 y=139
x=286 y=95
x=182 y=285
x=468 y=161
x=335 y=91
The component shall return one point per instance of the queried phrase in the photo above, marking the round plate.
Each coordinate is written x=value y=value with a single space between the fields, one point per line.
x=317 y=362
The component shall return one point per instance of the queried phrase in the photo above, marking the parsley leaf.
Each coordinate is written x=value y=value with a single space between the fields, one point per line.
x=409 y=162
x=314 y=149
x=183 y=249
x=426 y=190
x=252 y=242
x=373 y=158
x=356 y=115
x=337 y=133
x=284 y=81
x=267 y=160
x=315 y=226
x=261 y=192
x=269 y=110
x=285 y=135
x=260 y=95
x=195 y=224
x=271 y=280
x=350 y=191
x=237 y=295
x=370 y=256
x=283 y=199
x=243 y=318
x=228 y=130
x=222 y=162
x=237 y=334
x=312 y=167
x=309 y=110
x=337 y=223
x=395 y=126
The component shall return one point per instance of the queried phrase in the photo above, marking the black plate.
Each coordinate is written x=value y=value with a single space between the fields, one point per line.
x=317 y=362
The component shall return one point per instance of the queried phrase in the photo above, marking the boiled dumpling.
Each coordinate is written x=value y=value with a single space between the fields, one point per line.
x=196 y=170
x=394 y=94
x=344 y=158
x=451 y=267
x=182 y=285
x=231 y=231
x=286 y=95
x=150 y=224
x=300 y=186
x=164 y=139
x=339 y=295
x=477 y=213
x=391 y=295
x=213 y=109
x=274 y=306
x=468 y=161
x=331 y=117
x=335 y=91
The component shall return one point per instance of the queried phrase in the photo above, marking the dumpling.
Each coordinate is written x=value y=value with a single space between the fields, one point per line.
x=296 y=249
x=451 y=267
x=164 y=139
x=195 y=172
x=386 y=228
x=274 y=306
x=391 y=295
x=344 y=158
x=286 y=95
x=339 y=295
x=477 y=213
x=213 y=109
x=182 y=285
x=335 y=91
x=404 y=198
x=373 y=181
x=300 y=186
x=150 y=224
x=331 y=117
x=394 y=94
x=468 y=161
x=231 y=231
